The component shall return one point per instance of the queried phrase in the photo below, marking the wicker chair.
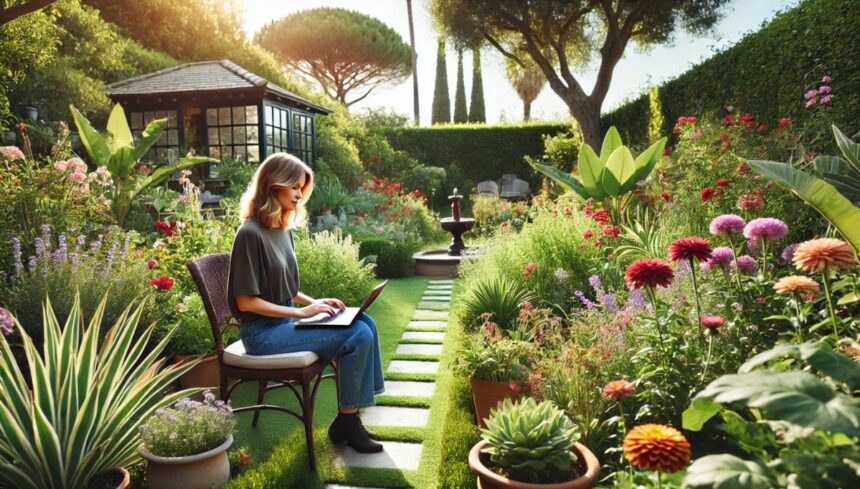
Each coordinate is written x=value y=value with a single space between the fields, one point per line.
x=291 y=370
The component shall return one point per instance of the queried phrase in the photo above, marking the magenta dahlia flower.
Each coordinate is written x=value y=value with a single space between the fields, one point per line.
x=788 y=252
x=727 y=224
x=721 y=257
x=713 y=321
x=765 y=228
x=746 y=264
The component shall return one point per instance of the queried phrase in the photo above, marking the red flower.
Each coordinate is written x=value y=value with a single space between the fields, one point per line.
x=162 y=283
x=743 y=169
x=568 y=211
x=244 y=458
x=713 y=321
x=751 y=124
x=665 y=196
x=588 y=234
x=707 y=193
x=598 y=243
x=601 y=216
x=727 y=120
x=612 y=231
x=666 y=152
x=689 y=248
x=724 y=137
x=762 y=128
x=718 y=194
x=169 y=229
x=649 y=272
x=723 y=182
x=152 y=263
x=529 y=269
x=362 y=214
x=747 y=118
x=784 y=122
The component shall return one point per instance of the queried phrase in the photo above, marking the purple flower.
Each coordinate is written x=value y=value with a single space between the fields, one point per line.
x=587 y=303
x=80 y=241
x=824 y=89
x=110 y=256
x=788 y=252
x=610 y=304
x=40 y=247
x=826 y=79
x=95 y=245
x=810 y=94
x=636 y=301
x=752 y=245
x=721 y=257
x=7 y=322
x=594 y=281
x=746 y=264
x=826 y=99
x=209 y=396
x=16 y=253
x=726 y=224
x=31 y=264
x=765 y=228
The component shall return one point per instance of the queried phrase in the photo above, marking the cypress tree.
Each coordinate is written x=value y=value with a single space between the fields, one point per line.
x=477 y=112
x=441 y=100
x=460 y=115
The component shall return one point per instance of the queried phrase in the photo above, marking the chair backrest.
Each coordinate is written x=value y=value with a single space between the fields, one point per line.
x=521 y=186
x=210 y=273
x=488 y=187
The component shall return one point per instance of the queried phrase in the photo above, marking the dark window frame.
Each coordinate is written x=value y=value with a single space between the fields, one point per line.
x=159 y=152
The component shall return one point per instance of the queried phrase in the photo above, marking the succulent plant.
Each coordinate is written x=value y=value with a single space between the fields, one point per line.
x=531 y=442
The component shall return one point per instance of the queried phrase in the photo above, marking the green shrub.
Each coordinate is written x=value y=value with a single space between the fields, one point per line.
x=192 y=333
x=498 y=297
x=393 y=259
x=329 y=266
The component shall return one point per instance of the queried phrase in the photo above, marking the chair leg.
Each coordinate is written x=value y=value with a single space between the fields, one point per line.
x=261 y=394
x=308 y=419
x=223 y=386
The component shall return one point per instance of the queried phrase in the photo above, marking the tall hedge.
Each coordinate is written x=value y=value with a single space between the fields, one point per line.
x=441 y=101
x=460 y=114
x=766 y=73
x=474 y=152
x=477 y=113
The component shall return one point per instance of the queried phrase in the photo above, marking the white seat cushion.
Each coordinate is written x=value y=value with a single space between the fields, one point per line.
x=235 y=356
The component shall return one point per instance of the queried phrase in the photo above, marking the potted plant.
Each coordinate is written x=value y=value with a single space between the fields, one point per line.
x=104 y=391
x=193 y=339
x=496 y=365
x=185 y=446
x=529 y=445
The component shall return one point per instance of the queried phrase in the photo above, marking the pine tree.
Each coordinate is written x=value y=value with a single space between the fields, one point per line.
x=441 y=100
x=460 y=115
x=477 y=112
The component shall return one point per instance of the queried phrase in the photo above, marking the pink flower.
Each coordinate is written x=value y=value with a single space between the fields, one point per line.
x=726 y=224
x=811 y=102
x=78 y=177
x=713 y=321
x=826 y=99
x=810 y=94
x=724 y=137
x=152 y=263
x=11 y=152
x=77 y=165
x=721 y=257
x=765 y=228
x=826 y=79
x=529 y=269
x=618 y=390
x=61 y=166
x=588 y=234
x=824 y=89
x=746 y=264
x=784 y=122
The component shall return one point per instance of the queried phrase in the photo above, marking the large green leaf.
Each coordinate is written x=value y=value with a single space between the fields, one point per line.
x=149 y=136
x=729 y=472
x=646 y=161
x=841 y=174
x=619 y=172
x=816 y=354
x=611 y=142
x=822 y=196
x=849 y=148
x=118 y=130
x=799 y=398
x=122 y=162
x=699 y=412
x=94 y=143
x=162 y=173
x=566 y=180
x=591 y=171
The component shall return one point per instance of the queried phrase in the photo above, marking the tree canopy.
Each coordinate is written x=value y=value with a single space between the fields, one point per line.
x=348 y=53
x=559 y=35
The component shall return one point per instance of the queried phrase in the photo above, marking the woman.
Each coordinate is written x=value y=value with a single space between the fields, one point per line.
x=263 y=287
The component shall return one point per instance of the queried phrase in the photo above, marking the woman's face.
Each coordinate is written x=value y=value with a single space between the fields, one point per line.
x=289 y=197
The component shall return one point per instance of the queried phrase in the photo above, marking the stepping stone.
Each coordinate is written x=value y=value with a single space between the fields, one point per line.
x=411 y=349
x=431 y=312
x=442 y=282
x=423 y=335
x=338 y=486
x=443 y=306
x=432 y=298
x=394 y=455
x=440 y=287
x=395 y=416
x=413 y=367
x=437 y=293
x=419 y=324
x=408 y=388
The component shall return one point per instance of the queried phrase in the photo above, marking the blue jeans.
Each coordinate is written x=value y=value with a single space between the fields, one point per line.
x=356 y=348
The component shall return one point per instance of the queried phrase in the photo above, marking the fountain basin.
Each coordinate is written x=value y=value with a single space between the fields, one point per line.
x=437 y=263
x=457 y=227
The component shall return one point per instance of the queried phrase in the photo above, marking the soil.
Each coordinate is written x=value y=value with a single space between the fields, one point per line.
x=106 y=480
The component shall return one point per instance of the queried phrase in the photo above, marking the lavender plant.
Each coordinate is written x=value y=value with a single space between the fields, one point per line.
x=188 y=428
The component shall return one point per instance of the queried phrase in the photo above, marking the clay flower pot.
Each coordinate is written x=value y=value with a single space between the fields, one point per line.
x=201 y=471
x=487 y=479
x=487 y=394
x=204 y=374
x=115 y=478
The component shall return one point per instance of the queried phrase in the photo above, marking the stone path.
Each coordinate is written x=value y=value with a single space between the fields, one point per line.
x=422 y=339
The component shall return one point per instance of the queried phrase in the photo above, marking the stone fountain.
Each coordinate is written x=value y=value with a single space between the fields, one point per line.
x=444 y=262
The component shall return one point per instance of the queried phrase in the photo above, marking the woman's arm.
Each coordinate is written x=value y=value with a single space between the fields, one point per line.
x=252 y=303
x=302 y=298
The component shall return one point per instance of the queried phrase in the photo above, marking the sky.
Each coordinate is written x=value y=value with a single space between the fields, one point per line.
x=633 y=74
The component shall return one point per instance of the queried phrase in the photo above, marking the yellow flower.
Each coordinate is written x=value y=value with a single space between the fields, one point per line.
x=657 y=447
x=823 y=254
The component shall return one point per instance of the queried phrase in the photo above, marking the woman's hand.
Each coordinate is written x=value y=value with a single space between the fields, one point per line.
x=336 y=303
x=316 y=308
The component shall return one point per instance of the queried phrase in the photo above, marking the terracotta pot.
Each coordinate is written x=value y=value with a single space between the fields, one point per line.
x=201 y=471
x=204 y=374
x=487 y=479
x=487 y=394
x=115 y=478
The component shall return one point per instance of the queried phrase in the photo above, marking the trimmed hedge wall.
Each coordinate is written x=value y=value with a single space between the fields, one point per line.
x=766 y=73
x=478 y=151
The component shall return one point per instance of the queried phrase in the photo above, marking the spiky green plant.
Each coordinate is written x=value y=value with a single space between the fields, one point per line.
x=531 y=442
x=82 y=413
x=499 y=297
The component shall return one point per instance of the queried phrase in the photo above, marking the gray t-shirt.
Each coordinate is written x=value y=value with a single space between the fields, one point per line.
x=263 y=263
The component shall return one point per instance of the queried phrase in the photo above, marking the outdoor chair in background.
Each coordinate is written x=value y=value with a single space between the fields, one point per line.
x=514 y=188
x=292 y=370
x=488 y=187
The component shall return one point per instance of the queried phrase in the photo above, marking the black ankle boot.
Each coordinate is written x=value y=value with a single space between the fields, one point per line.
x=347 y=428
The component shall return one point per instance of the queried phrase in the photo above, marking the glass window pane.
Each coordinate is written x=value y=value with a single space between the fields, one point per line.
x=147 y=118
x=212 y=117
x=213 y=136
x=172 y=137
x=252 y=134
x=240 y=153
x=251 y=114
x=284 y=119
x=238 y=115
x=136 y=120
x=171 y=118
x=239 y=135
x=227 y=151
x=253 y=153
x=226 y=135
x=214 y=152
x=269 y=119
x=224 y=116
x=270 y=135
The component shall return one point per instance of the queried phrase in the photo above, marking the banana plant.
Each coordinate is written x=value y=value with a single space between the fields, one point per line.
x=835 y=194
x=614 y=173
x=117 y=150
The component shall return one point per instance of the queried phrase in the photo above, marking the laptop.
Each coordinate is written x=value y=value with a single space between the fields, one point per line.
x=342 y=319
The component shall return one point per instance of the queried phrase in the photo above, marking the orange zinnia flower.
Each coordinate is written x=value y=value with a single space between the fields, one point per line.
x=618 y=389
x=796 y=283
x=823 y=254
x=657 y=447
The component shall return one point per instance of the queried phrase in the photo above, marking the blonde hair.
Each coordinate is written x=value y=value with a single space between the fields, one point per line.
x=260 y=201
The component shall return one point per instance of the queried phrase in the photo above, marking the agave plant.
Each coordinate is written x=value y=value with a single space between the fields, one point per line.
x=82 y=414
x=612 y=175
x=531 y=442
x=499 y=297
x=119 y=152
x=832 y=187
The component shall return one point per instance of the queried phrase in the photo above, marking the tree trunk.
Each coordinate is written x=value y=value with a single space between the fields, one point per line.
x=414 y=66
x=527 y=111
x=588 y=117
